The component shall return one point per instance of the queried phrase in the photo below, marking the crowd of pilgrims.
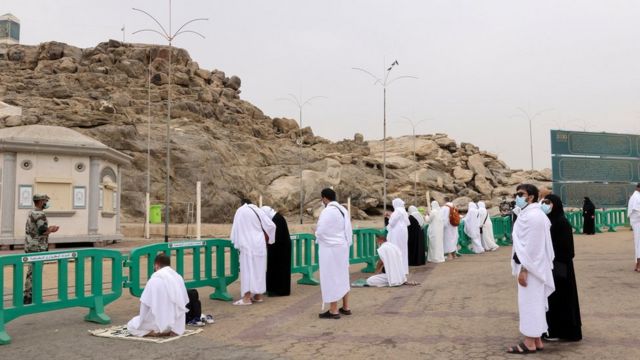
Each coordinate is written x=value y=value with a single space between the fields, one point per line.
x=405 y=230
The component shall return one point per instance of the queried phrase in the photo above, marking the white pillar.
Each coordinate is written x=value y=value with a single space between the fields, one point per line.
x=94 y=195
x=8 y=196
x=198 y=210
x=147 y=204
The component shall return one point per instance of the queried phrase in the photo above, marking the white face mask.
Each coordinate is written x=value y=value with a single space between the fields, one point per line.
x=546 y=208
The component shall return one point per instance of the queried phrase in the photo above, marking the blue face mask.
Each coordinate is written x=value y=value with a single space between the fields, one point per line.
x=46 y=206
x=521 y=202
x=546 y=208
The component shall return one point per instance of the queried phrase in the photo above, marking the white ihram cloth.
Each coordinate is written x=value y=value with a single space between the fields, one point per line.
x=391 y=257
x=450 y=232
x=633 y=212
x=163 y=305
x=398 y=231
x=472 y=228
x=534 y=249
x=248 y=237
x=435 y=253
x=334 y=236
x=488 y=240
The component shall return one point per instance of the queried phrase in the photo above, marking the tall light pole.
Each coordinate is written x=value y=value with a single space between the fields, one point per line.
x=300 y=104
x=169 y=36
x=414 y=125
x=384 y=81
x=530 y=119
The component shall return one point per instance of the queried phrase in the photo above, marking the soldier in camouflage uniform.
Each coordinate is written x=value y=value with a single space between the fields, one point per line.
x=36 y=239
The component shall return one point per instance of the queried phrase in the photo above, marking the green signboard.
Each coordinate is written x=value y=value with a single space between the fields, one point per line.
x=565 y=168
x=594 y=144
x=602 y=195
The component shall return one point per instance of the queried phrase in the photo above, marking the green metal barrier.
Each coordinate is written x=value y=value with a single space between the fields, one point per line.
x=364 y=248
x=95 y=298
x=464 y=242
x=576 y=220
x=613 y=218
x=304 y=258
x=210 y=250
x=502 y=230
x=600 y=220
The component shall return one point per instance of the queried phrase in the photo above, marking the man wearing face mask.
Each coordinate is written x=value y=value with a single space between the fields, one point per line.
x=36 y=237
x=532 y=264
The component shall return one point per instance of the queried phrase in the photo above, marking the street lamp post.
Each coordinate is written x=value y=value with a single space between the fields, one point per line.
x=384 y=82
x=169 y=36
x=300 y=104
x=415 y=159
x=530 y=119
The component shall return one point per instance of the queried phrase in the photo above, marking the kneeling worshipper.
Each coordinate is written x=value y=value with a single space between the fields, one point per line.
x=415 y=241
x=250 y=233
x=278 y=256
x=472 y=228
x=334 y=236
x=398 y=231
x=486 y=228
x=563 y=316
x=436 y=234
x=163 y=304
x=391 y=261
x=532 y=263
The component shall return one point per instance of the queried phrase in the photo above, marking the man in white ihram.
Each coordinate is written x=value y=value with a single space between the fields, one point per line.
x=532 y=263
x=472 y=228
x=391 y=260
x=163 y=303
x=252 y=229
x=334 y=237
x=633 y=212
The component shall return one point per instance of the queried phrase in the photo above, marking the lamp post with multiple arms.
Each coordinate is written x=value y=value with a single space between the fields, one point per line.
x=169 y=36
x=530 y=119
x=300 y=103
x=414 y=125
x=384 y=81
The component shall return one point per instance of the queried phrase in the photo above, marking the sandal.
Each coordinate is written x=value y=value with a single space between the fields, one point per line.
x=207 y=319
x=344 y=312
x=520 y=349
x=242 y=303
x=328 y=315
x=257 y=300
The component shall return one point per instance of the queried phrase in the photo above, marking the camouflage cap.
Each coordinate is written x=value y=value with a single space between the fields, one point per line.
x=37 y=197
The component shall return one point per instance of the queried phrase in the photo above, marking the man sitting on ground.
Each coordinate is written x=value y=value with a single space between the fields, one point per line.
x=163 y=303
x=391 y=260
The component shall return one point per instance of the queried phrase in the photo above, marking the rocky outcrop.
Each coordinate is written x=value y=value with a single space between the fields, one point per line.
x=225 y=142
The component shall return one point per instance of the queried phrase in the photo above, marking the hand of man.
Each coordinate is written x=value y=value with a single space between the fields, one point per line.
x=522 y=278
x=53 y=228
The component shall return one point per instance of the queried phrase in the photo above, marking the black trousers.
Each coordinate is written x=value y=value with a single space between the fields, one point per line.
x=194 y=306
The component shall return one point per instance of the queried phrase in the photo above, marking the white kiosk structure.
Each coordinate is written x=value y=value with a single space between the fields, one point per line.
x=82 y=177
x=9 y=29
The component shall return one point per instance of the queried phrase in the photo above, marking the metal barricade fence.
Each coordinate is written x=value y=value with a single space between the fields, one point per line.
x=212 y=251
x=95 y=297
x=613 y=218
x=304 y=258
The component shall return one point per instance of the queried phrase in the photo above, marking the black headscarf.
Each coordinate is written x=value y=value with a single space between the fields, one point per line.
x=561 y=231
x=588 y=205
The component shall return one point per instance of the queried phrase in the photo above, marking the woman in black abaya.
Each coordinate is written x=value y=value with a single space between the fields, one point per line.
x=563 y=317
x=589 y=215
x=278 y=257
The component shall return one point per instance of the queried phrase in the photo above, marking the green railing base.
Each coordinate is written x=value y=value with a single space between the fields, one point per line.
x=370 y=268
x=4 y=338
x=96 y=313
x=308 y=280
x=221 y=295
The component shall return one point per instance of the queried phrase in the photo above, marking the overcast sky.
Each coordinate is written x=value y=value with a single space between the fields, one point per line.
x=477 y=61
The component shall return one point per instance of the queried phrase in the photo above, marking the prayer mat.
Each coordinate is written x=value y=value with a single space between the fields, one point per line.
x=120 y=332
x=360 y=283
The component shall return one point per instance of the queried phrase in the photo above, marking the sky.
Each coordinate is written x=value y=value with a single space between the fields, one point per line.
x=480 y=65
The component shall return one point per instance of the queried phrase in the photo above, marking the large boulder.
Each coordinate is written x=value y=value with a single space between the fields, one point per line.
x=461 y=174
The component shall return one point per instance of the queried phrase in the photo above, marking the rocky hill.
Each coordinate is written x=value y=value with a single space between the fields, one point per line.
x=224 y=141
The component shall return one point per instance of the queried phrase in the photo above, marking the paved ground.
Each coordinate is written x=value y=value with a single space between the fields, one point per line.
x=463 y=309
